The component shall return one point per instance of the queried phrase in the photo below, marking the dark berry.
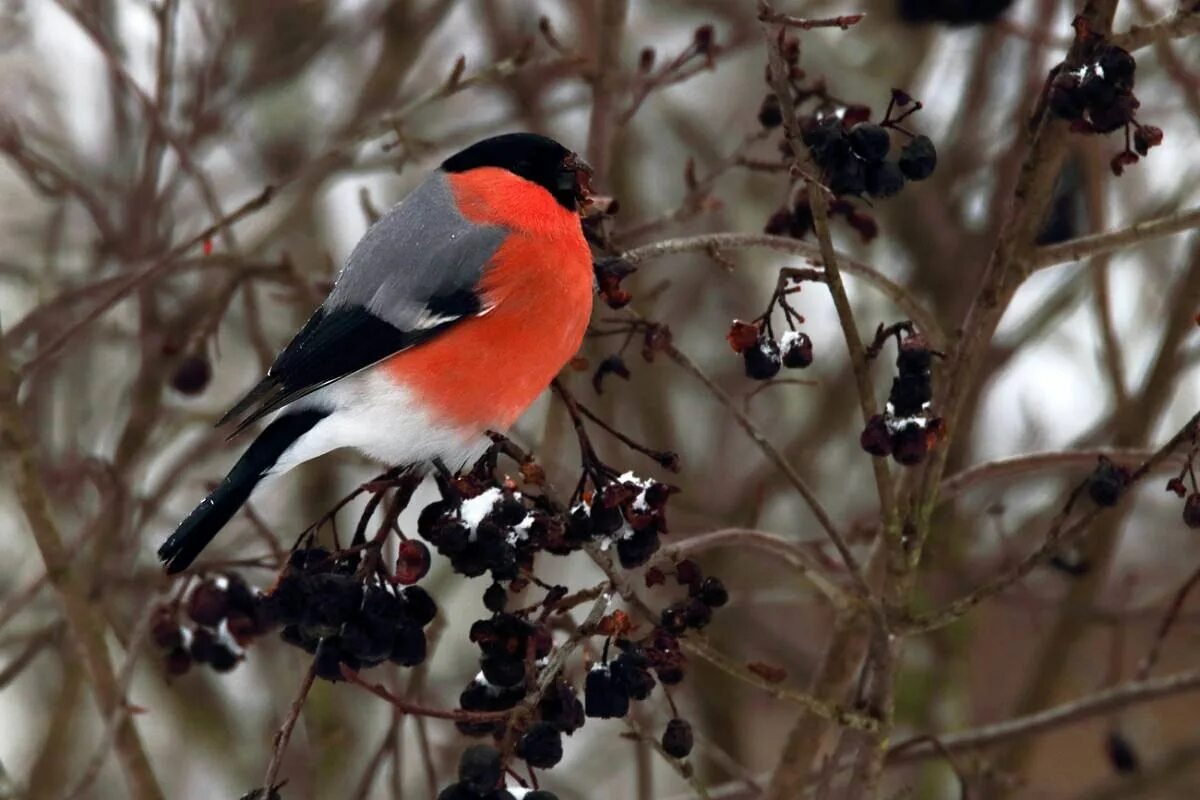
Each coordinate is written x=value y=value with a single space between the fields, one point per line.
x=540 y=746
x=1121 y=755
x=603 y=697
x=419 y=606
x=1145 y=137
x=869 y=142
x=770 y=115
x=192 y=375
x=796 y=350
x=677 y=738
x=177 y=661
x=910 y=392
x=201 y=646
x=713 y=593
x=328 y=661
x=503 y=670
x=408 y=645
x=884 y=179
x=762 y=361
x=779 y=223
x=1106 y=483
x=560 y=707
x=222 y=658
x=208 y=604
x=669 y=675
x=1117 y=65
x=165 y=631
x=480 y=768
x=848 y=177
x=910 y=444
x=918 y=158
x=875 y=438
x=412 y=563
x=495 y=598
x=635 y=550
x=632 y=675
x=674 y=618
x=457 y=791
x=827 y=141
x=697 y=614
x=1114 y=115
x=1064 y=97
x=1191 y=510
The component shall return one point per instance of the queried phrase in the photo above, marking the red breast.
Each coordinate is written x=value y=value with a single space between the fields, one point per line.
x=484 y=372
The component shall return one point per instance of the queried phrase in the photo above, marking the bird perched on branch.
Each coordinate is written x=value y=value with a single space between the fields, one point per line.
x=452 y=314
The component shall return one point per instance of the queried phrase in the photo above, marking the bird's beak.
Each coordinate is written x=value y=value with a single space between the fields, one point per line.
x=582 y=173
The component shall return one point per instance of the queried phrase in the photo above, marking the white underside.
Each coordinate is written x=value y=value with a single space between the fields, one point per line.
x=380 y=419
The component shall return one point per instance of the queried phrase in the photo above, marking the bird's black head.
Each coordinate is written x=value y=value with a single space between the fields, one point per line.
x=534 y=158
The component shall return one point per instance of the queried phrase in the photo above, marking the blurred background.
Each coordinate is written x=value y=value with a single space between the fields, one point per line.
x=129 y=127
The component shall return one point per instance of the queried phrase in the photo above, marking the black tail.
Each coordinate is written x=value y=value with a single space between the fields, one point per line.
x=206 y=521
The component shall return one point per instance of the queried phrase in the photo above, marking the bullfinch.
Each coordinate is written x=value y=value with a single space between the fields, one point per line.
x=451 y=315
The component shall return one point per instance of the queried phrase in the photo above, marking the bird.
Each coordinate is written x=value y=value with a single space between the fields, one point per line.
x=450 y=316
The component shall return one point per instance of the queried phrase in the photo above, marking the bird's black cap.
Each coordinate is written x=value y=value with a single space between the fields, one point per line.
x=536 y=158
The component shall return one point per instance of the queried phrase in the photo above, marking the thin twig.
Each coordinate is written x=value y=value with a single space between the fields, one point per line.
x=284 y=734
x=1102 y=243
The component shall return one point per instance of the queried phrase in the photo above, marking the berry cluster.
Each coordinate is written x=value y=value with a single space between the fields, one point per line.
x=227 y=615
x=328 y=609
x=704 y=595
x=762 y=354
x=853 y=159
x=507 y=643
x=1096 y=96
x=908 y=428
x=480 y=777
x=1191 y=497
x=628 y=511
x=952 y=12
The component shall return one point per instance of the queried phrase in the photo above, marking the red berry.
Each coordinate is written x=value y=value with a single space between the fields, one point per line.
x=875 y=438
x=412 y=563
x=192 y=375
x=208 y=604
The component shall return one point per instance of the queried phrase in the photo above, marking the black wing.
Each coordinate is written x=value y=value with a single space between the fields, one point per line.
x=338 y=342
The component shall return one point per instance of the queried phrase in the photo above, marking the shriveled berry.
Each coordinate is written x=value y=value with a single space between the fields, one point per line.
x=869 y=141
x=827 y=141
x=796 y=350
x=540 y=746
x=669 y=674
x=560 y=707
x=413 y=561
x=419 y=606
x=603 y=697
x=192 y=375
x=884 y=179
x=713 y=593
x=918 y=158
x=770 y=114
x=1191 y=510
x=1115 y=115
x=208 y=604
x=762 y=361
x=677 y=738
x=875 y=438
x=409 y=646
x=1145 y=137
x=631 y=673
x=203 y=641
x=480 y=768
